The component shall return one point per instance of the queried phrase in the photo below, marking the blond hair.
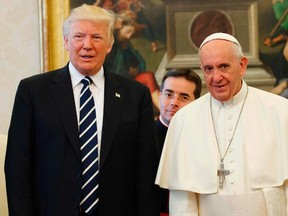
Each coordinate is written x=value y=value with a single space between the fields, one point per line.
x=90 y=13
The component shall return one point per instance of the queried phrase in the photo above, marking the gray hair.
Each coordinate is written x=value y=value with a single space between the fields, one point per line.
x=91 y=13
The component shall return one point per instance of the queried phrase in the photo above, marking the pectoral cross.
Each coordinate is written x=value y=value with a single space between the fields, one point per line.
x=222 y=173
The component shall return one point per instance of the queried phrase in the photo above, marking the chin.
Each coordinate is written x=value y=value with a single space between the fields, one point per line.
x=220 y=97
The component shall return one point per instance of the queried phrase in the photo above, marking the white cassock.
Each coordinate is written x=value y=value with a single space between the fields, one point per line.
x=257 y=158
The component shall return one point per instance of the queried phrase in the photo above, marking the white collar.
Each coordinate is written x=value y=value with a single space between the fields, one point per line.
x=76 y=77
x=161 y=120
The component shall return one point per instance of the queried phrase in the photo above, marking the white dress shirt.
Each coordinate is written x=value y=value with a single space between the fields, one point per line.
x=97 y=89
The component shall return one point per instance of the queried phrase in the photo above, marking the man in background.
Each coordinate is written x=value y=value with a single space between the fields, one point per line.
x=179 y=87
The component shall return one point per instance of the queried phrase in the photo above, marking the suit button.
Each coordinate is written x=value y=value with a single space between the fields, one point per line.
x=76 y=205
x=78 y=175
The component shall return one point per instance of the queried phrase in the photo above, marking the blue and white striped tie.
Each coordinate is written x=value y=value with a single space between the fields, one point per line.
x=89 y=149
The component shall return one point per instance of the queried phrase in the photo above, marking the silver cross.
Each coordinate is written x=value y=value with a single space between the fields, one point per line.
x=222 y=173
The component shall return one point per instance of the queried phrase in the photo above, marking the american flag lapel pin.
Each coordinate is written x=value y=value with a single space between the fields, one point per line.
x=117 y=95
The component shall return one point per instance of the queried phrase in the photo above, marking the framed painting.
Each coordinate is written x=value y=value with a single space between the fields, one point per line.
x=149 y=40
x=170 y=31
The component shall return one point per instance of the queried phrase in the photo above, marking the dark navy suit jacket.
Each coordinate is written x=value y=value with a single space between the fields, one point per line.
x=43 y=163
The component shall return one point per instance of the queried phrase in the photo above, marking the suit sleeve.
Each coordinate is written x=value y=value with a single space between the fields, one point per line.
x=148 y=192
x=19 y=154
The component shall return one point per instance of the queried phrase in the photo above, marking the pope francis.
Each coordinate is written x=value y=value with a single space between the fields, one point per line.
x=226 y=154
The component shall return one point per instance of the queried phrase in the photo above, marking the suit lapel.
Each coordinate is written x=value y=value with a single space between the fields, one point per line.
x=64 y=100
x=113 y=103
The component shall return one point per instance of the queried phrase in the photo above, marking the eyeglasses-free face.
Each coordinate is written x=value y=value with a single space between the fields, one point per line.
x=177 y=92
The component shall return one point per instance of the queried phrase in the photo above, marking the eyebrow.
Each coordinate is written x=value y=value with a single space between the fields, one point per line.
x=184 y=94
x=168 y=90
x=180 y=94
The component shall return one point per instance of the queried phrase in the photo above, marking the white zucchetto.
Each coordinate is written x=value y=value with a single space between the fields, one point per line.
x=221 y=36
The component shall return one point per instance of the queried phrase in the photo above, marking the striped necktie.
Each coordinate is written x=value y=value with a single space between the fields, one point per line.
x=89 y=149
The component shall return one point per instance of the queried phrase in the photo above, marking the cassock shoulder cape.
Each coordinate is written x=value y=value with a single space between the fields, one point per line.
x=190 y=157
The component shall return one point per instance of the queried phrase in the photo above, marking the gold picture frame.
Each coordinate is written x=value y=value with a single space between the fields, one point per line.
x=52 y=15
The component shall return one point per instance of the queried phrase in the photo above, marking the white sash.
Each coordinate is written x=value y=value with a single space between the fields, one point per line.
x=265 y=202
x=251 y=204
x=275 y=201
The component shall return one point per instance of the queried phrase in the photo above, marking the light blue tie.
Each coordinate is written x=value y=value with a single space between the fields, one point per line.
x=89 y=149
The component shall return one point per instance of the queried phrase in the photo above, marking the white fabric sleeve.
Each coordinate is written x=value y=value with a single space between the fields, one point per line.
x=182 y=203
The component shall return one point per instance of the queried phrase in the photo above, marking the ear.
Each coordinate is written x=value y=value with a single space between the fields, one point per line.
x=109 y=48
x=65 y=40
x=243 y=65
x=200 y=66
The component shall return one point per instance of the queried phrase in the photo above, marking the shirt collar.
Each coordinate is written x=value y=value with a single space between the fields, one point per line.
x=161 y=120
x=76 y=77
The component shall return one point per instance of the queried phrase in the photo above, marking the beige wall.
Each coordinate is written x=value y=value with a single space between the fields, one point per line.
x=19 y=58
x=19 y=50
x=3 y=199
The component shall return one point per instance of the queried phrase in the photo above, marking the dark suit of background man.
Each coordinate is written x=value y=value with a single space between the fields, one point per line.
x=43 y=161
x=179 y=87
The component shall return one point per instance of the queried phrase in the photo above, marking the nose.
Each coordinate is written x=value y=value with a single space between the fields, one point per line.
x=87 y=44
x=175 y=100
x=217 y=75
